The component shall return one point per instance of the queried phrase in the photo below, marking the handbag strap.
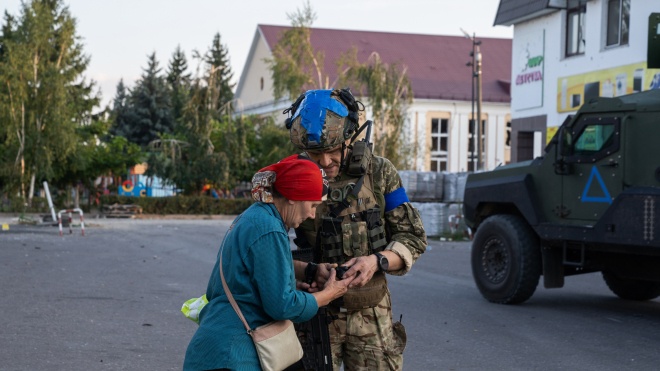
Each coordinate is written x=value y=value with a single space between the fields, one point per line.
x=224 y=284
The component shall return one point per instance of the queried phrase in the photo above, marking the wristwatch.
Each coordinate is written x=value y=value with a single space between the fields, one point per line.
x=383 y=263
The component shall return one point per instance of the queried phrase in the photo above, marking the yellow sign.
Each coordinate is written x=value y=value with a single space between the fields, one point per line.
x=550 y=132
x=5 y=227
x=574 y=91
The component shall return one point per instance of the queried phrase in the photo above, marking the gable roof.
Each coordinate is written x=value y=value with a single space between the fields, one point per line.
x=436 y=64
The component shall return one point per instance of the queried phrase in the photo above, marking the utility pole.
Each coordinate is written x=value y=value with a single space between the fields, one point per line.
x=476 y=78
x=480 y=157
x=472 y=117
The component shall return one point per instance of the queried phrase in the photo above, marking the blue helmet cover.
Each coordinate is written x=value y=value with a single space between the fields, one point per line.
x=313 y=110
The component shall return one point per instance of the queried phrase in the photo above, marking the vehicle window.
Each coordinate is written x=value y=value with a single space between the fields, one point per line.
x=594 y=138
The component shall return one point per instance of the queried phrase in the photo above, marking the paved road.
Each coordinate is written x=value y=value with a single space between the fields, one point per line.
x=111 y=301
x=108 y=301
x=582 y=326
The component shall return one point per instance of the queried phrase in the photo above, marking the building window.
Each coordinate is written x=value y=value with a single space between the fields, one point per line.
x=618 y=22
x=473 y=151
x=507 y=144
x=575 y=28
x=439 y=144
x=261 y=84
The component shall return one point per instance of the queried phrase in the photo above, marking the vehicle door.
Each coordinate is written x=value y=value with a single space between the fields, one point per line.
x=593 y=156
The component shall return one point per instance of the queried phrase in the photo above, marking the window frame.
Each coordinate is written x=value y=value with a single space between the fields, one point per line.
x=439 y=157
x=622 y=38
x=573 y=135
x=580 y=9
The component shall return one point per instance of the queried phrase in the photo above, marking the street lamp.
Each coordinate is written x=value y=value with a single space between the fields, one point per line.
x=476 y=78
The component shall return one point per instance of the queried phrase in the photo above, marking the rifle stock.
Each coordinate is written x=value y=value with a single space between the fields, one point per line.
x=313 y=334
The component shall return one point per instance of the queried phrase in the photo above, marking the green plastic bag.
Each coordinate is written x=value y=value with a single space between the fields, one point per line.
x=192 y=307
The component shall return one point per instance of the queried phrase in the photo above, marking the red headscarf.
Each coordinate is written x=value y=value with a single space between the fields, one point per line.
x=296 y=178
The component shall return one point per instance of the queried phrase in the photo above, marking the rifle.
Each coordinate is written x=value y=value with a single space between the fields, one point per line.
x=313 y=334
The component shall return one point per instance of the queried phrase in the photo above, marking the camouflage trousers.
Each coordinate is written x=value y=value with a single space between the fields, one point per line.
x=367 y=339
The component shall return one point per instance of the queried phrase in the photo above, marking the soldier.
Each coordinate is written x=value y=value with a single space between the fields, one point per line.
x=367 y=224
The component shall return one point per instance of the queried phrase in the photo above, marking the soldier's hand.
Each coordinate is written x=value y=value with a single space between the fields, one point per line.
x=361 y=270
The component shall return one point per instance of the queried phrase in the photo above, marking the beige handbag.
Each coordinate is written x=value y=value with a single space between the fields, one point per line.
x=277 y=343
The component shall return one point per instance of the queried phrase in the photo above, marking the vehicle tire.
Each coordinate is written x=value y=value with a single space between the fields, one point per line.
x=506 y=259
x=631 y=289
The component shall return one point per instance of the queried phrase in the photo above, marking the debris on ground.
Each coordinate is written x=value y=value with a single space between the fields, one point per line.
x=121 y=211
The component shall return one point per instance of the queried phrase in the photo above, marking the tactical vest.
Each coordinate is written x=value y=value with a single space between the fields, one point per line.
x=351 y=224
x=358 y=229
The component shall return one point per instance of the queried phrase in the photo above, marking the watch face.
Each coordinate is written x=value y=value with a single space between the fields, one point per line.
x=383 y=263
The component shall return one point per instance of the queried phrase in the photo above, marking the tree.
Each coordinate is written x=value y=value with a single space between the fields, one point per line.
x=94 y=158
x=219 y=76
x=122 y=115
x=149 y=108
x=189 y=158
x=178 y=80
x=295 y=65
x=44 y=95
x=269 y=144
x=389 y=94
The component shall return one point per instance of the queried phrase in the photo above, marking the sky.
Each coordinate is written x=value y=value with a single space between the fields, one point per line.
x=118 y=35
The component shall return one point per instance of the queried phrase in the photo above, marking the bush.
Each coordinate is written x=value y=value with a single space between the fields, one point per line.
x=17 y=205
x=200 y=205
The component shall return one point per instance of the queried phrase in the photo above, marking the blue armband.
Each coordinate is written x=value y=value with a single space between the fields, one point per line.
x=395 y=199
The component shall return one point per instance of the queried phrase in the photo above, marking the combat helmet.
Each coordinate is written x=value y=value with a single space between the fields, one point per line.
x=322 y=119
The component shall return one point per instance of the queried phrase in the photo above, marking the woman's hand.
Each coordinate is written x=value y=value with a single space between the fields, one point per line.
x=304 y=286
x=323 y=273
x=332 y=289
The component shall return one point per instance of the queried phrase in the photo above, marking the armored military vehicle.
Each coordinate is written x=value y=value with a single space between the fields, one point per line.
x=591 y=203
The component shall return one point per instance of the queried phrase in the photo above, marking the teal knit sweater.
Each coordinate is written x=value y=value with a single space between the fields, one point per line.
x=258 y=269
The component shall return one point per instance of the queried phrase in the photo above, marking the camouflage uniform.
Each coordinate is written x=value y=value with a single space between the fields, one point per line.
x=366 y=338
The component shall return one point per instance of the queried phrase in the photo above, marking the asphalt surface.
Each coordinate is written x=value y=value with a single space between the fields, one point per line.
x=111 y=300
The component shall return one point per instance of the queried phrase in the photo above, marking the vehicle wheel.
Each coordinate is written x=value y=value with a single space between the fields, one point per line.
x=506 y=259
x=630 y=289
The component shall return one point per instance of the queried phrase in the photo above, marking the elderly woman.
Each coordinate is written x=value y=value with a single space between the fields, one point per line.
x=258 y=269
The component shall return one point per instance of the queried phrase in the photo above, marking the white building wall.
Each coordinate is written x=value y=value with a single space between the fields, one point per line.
x=597 y=57
x=458 y=113
x=255 y=94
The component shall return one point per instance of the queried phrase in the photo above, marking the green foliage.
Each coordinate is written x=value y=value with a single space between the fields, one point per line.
x=178 y=80
x=389 y=94
x=185 y=205
x=44 y=96
x=190 y=159
x=295 y=65
x=121 y=115
x=219 y=75
x=189 y=166
x=147 y=112
x=185 y=122
x=18 y=205
x=270 y=144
